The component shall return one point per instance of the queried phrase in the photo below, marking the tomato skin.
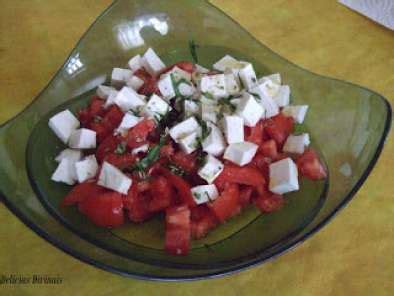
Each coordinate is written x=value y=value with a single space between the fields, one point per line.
x=310 y=166
x=167 y=151
x=95 y=108
x=177 y=240
x=269 y=149
x=269 y=202
x=107 y=147
x=279 y=128
x=104 y=210
x=255 y=134
x=202 y=221
x=150 y=83
x=137 y=204
x=161 y=193
x=246 y=175
x=227 y=204
x=121 y=161
x=81 y=192
x=139 y=133
x=185 y=161
x=245 y=196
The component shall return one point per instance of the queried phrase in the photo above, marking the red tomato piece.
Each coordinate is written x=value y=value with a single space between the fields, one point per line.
x=227 y=204
x=161 y=193
x=121 y=161
x=310 y=166
x=137 y=204
x=279 y=128
x=107 y=147
x=138 y=134
x=185 y=161
x=177 y=241
x=246 y=175
x=202 y=221
x=255 y=134
x=245 y=196
x=269 y=202
x=95 y=108
x=104 y=210
x=269 y=149
x=167 y=151
x=113 y=117
x=81 y=192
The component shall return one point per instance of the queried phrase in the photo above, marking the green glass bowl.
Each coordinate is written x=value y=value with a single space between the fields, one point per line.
x=348 y=125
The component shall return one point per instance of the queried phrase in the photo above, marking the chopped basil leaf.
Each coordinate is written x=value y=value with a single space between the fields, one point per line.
x=97 y=119
x=176 y=169
x=208 y=96
x=193 y=50
x=151 y=157
x=121 y=148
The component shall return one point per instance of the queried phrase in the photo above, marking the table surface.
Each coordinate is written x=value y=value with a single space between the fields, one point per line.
x=353 y=255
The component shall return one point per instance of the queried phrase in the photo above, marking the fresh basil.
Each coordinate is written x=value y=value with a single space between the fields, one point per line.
x=193 y=50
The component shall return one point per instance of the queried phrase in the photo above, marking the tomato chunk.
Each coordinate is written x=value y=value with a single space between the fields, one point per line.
x=105 y=209
x=269 y=202
x=185 y=161
x=81 y=192
x=162 y=194
x=121 y=161
x=269 y=149
x=310 y=166
x=255 y=134
x=107 y=147
x=246 y=175
x=202 y=221
x=279 y=128
x=227 y=204
x=137 y=204
x=245 y=195
x=177 y=241
x=138 y=134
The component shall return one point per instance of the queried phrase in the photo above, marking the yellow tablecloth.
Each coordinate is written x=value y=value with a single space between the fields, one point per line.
x=353 y=255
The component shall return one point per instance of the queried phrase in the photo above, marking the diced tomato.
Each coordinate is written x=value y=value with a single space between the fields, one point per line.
x=269 y=149
x=105 y=209
x=138 y=134
x=202 y=221
x=310 y=166
x=177 y=241
x=245 y=195
x=113 y=117
x=121 y=161
x=102 y=130
x=246 y=175
x=279 y=128
x=269 y=202
x=143 y=74
x=150 y=83
x=161 y=193
x=81 y=192
x=185 y=161
x=167 y=151
x=227 y=204
x=107 y=147
x=137 y=204
x=255 y=134
x=95 y=108
x=184 y=65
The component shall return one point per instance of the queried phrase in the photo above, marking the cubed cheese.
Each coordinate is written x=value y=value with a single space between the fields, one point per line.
x=129 y=120
x=83 y=138
x=232 y=84
x=112 y=178
x=297 y=112
x=189 y=143
x=248 y=76
x=111 y=98
x=190 y=108
x=283 y=176
x=211 y=169
x=183 y=129
x=166 y=87
x=73 y=155
x=135 y=82
x=201 y=69
x=296 y=144
x=103 y=91
x=214 y=143
x=65 y=172
x=127 y=99
x=186 y=89
x=135 y=63
x=86 y=168
x=210 y=112
x=63 y=124
x=179 y=74
x=214 y=85
x=282 y=98
x=233 y=127
x=268 y=88
x=156 y=107
x=226 y=62
x=120 y=76
x=152 y=63
x=207 y=100
x=240 y=153
x=270 y=107
x=275 y=78
x=204 y=193
x=235 y=102
x=249 y=110
x=141 y=149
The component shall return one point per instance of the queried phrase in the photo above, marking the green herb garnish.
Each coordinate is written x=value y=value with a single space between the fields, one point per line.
x=176 y=169
x=151 y=157
x=193 y=50
x=121 y=148
x=209 y=96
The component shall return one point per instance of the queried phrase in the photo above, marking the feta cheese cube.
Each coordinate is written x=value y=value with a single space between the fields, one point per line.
x=65 y=172
x=63 y=124
x=83 y=138
x=135 y=63
x=129 y=120
x=268 y=88
x=232 y=84
x=127 y=99
x=73 y=155
x=166 y=87
x=189 y=143
x=249 y=110
x=211 y=169
x=120 y=76
x=297 y=112
x=235 y=102
x=275 y=78
x=269 y=105
x=183 y=129
x=283 y=176
x=190 y=108
x=226 y=62
x=240 y=153
x=103 y=91
x=214 y=85
x=186 y=89
x=135 y=82
x=248 y=76
x=141 y=149
x=112 y=178
x=86 y=168
x=152 y=63
x=111 y=98
x=179 y=74
x=204 y=193
x=233 y=127
x=209 y=112
x=282 y=98
x=296 y=144
x=201 y=69
x=214 y=143
x=207 y=100
x=156 y=107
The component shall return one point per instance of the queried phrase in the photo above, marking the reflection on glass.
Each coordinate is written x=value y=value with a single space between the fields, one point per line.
x=74 y=65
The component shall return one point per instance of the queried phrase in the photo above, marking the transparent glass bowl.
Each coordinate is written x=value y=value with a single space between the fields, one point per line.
x=348 y=125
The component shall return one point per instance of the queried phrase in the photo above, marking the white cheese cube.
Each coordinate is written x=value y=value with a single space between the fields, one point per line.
x=226 y=62
x=207 y=100
x=268 y=88
x=297 y=112
x=275 y=78
x=183 y=129
x=83 y=138
x=111 y=98
x=65 y=172
x=233 y=127
x=141 y=149
x=63 y=124
x=135 y=82
x=240 y=153
x=186 y=89
x=232 y=84
x=135 y=63
x=112 y=178
x=120 y=76
x=86 y=168
x=296 y=144
x=283 y=176
x=156 y=107
x=72 y=155
x=209 y=112
x=204 y=193
x=248 y=76
x=235 y=102
x=214 y=143
x=179 y=74
x=190 y=108
x=127 y=99
x=211 y=169
x=152 y=63
x=269 y=105
x=166 y=87
x=282 y=98
x=189 y=143
x=129 y=120
x=249 y=110
x=103 y=91
x=214 y=85
x=201 y=69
